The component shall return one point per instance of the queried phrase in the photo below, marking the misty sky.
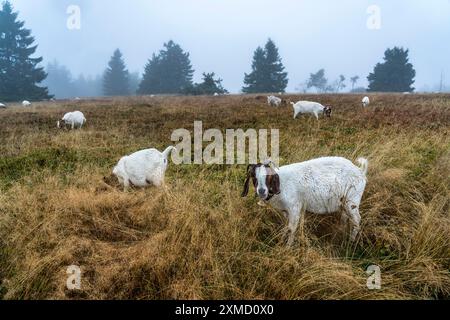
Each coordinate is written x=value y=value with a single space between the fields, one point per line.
x=221 y=35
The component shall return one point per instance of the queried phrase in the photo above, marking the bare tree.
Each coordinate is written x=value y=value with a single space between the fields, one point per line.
x=340 y=83
x=354 y=80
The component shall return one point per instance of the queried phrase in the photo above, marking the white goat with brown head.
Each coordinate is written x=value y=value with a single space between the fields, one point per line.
x=321 y=186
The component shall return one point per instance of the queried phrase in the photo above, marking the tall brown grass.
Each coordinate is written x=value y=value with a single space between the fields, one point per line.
x=199 y=239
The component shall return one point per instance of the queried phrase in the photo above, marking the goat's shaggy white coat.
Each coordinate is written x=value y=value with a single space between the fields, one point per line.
x=324 y=185
x=274 y=101
x=74 y=119
x=26 y=103
x=365 y=101
x=310 y=107
x=143 y=168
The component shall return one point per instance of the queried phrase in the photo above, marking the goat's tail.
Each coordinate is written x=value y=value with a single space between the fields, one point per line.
x=363 y=165
x=168 y=151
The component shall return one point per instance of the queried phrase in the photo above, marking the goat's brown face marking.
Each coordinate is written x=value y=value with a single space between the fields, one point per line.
x=272 y=180
x=327 y=111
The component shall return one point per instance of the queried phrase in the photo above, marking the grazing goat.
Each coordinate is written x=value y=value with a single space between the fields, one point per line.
x=324 y=185
x=143 y=168
x=26 y=103
x=365 y=102
x=74 y=119
x=274 y=101
x=314 y=108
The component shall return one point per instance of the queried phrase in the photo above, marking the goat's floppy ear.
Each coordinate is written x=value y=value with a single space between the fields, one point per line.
x=250 y=168
x=274 y=182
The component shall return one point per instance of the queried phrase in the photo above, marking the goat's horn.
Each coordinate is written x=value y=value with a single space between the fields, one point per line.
x=270 y=163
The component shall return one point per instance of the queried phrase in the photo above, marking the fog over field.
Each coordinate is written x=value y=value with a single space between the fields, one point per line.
x=221 y=35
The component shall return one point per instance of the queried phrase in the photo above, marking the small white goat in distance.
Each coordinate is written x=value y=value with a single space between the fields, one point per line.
x=143 y=168
x=310 y=107
x=365 y=102
x=74 y=119
x=324 y=185
x=2 y=105
x=275 y=101
x=26 y=103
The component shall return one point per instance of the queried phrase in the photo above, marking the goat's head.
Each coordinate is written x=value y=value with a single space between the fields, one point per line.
x=265 y=179
x=61 y=124
x=327 y=111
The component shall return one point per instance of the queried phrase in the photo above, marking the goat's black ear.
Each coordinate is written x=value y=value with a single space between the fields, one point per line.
x=276 y=184
x=247 y=180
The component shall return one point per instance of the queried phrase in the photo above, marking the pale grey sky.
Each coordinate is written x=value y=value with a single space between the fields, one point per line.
x=221 y=35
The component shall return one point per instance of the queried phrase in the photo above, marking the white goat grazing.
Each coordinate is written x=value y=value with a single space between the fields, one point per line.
x=74 y=119
x=314 y=108
x=143 y=168
x=324 y=185
x=365 y=101
x=274 y=101
x=26 y=103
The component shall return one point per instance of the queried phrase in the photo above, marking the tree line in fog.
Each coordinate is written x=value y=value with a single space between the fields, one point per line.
x=169 y=71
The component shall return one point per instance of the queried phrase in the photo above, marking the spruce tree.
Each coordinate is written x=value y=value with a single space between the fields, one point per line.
x=277 y=79
x=20 y=73
x=267 y=71
x=255 y=80
x=395 y=74
x=209 y=86
x=116 y=77
x=170 y=71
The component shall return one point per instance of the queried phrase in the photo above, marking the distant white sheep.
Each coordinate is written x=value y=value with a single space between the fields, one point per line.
x=74 y=119
x=143 y=168
x=310 y=107
x=274 y=101
x=26 y=103
x=365 y=102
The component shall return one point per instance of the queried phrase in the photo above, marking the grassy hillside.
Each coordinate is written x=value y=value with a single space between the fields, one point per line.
x=200 y=239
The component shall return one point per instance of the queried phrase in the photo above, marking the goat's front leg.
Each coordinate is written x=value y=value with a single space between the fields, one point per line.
x=126 y=185
x=317 y=116
x=294 y=215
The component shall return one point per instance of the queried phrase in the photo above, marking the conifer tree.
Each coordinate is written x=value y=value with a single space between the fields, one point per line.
x=116 y=77
x=169 y=71
x=267 y=71
x=20 y=72
x=395 y=74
